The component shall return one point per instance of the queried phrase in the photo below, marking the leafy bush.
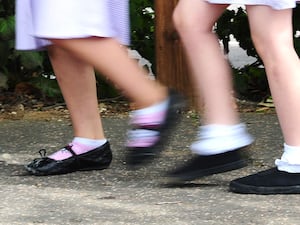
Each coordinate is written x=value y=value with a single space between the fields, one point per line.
x=31 y=66
x=18 y=66
x=250 y=81
x=142 y=28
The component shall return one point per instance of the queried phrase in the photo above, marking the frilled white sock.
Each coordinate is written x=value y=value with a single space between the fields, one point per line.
x=290 y=159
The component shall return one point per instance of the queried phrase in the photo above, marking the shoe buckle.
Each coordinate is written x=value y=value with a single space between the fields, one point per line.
x=43 y=152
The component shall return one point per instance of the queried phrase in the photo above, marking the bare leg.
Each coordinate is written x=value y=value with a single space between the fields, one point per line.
x=273 y=37
x=157 y=109
x=222 y=137
x=77 y=82
x=89 y=150
x=212 y=76
x=110 y=59
x=281 y=63
x=194 y=21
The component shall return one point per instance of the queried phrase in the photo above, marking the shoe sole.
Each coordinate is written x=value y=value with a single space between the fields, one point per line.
x=207 y=172
x=248 y=189
x=39 y=173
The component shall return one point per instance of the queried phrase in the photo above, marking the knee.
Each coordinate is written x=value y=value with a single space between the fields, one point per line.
x=178 y=19
x=182 y=21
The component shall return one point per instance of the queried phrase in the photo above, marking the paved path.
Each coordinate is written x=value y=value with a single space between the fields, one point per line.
x=118 y=196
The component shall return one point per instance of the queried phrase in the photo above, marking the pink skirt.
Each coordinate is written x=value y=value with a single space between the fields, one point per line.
x=38 y=20
x=275 y=4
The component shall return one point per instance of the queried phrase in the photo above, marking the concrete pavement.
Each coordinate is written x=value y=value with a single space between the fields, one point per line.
x=118 y=196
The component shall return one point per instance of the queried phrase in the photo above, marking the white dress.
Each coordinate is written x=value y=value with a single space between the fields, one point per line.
x=275 y=4
x=37 y=20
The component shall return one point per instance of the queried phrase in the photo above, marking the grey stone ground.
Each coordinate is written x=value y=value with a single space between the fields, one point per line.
x=118 y=196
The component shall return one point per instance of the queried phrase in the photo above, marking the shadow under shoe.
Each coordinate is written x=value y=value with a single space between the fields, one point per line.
x=142 y=155
x=205 y=165
x=96 y=159
x=271 y=181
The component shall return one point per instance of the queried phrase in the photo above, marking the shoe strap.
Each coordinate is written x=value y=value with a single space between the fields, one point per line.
x=69 y=148
x=43 y=153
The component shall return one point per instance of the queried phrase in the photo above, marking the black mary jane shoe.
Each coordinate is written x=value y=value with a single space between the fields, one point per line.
x=96 y=159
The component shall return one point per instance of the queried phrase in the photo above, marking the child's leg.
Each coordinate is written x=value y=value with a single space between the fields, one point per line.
x=273 y=37
x=77 y=82
x=78 y=85
x=212 y=76
x=222 y=136
x=157 y=107
x=211 y=73
x=281 y=63
x=112 y=61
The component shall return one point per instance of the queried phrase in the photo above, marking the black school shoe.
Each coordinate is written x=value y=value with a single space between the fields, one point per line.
x=271 y=181
x=205 y=165
x=141 y=155
x=96 y=159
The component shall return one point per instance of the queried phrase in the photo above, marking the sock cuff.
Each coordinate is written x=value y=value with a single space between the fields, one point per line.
x=89 y=142
x=217 y=130
x=159 y=107
x=291 y=154
x=290 y=159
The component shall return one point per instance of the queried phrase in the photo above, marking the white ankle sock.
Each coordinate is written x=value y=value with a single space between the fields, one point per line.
x=92 y=143
x=290 y=159
x=215 y=139
x=151 y=110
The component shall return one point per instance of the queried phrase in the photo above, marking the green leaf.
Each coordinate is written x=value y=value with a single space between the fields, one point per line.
x=7 y=28
x=31 y=60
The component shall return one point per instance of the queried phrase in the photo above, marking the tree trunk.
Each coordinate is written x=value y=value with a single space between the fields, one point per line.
x=171 y=66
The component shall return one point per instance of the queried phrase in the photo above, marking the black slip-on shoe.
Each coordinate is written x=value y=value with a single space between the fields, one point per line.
x=205 y=165
x=271 y=181
x=96 y=159
x=141 y=155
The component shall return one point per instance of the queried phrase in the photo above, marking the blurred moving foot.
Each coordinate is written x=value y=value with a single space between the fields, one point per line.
x=205 y=165
x=148 y=137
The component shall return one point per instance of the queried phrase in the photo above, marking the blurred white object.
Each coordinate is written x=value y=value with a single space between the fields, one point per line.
x=3 y=81
x=142 y=62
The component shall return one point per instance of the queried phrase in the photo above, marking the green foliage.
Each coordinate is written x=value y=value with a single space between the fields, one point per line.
x=250 y=81
x=296 y=25
x=224 y=28
x=142 y=28
x=23 y=66
x=7 y=28
x=48 y=87
x=6 y=31
x=6 y=40
x=235 y=23
x=19 y=66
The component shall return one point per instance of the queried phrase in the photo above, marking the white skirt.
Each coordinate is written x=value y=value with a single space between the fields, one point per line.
x=275 y=4
x=38 y=20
